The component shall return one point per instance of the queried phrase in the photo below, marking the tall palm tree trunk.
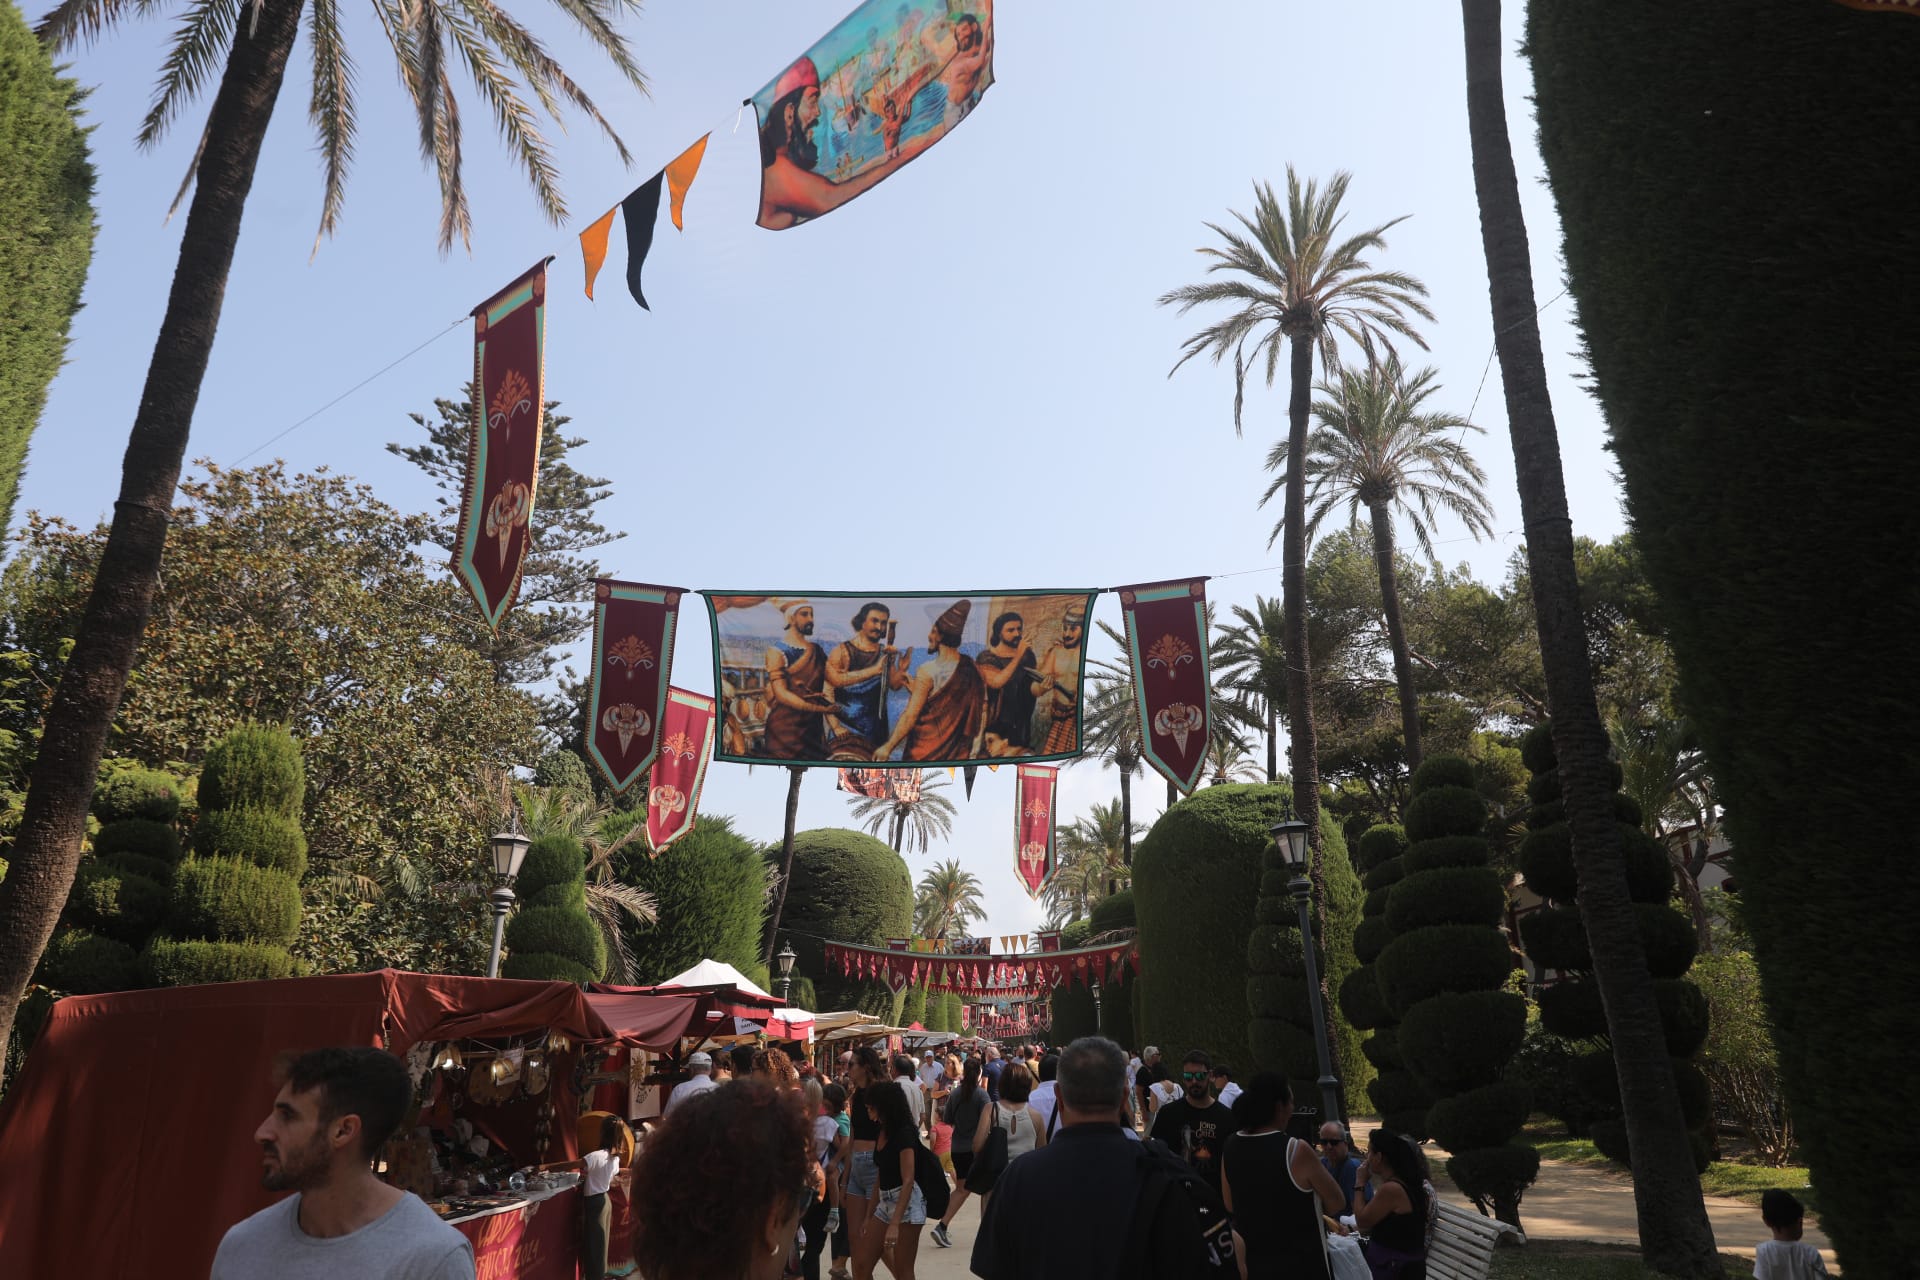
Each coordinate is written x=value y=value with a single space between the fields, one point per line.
x=1273 y=742
x=1396 y=631
x=795 y=775
x=1303 y=744
x=46 y=849
x=1675 y=1236
x=1126 y=817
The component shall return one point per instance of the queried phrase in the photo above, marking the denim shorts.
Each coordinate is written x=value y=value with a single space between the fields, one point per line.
x=861 y=1175
x=916 y=1207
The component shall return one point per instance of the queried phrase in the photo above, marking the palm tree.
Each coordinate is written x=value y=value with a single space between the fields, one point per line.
x=1113 y=738
x=947 y=900
x=254 y=42
x=1376 y=449
x=1291 y=283
x=912 y=811
x=1250 y=658
x=1675 y=1235
x=1227 y=759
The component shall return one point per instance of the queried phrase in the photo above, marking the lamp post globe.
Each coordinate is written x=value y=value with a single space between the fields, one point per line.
x=509 y=850
x=1290 y=839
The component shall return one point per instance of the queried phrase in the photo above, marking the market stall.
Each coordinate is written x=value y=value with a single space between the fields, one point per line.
x=128 y=1135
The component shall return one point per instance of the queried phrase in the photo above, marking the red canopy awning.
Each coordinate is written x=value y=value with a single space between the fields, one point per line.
x=126 y=1143
x=652 y=1022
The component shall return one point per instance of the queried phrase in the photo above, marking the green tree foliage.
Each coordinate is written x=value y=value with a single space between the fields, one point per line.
x=233 y=913
x=710 y=892
x=1741 y=1061
x=1555 y=939
x=1457 y=1035
x=913 y=1008
x=1113 y=916
x=847 y=887
x=552 y=937
x=46 y=234
x=304 y=600
x=1197 y=877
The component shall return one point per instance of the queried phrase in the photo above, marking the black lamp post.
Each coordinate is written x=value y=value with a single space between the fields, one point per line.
x=1290 y=837
x=786 y=959
x=509 y=849
x=1098 y=1028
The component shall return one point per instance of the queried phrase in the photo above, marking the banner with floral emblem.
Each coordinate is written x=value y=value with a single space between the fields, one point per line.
x=1033 y=826
x=686 y=745
x=1167 y=645
x=633 y=628
x=503 y=442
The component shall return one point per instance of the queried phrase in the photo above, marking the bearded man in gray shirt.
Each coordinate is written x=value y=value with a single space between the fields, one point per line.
x=335 y=1109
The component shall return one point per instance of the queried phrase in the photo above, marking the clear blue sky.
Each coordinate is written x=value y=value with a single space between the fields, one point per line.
x=980 y=329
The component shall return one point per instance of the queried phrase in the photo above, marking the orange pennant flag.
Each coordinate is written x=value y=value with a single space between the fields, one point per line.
x=593 y=246
x=680 y=177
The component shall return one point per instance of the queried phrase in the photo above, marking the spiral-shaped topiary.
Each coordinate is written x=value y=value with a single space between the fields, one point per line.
x=77 y=962
x=234 y=906
x=133 y=792
x=1398 y=1098
x=1556 y=942
x=552 y=936
x=1445 y=975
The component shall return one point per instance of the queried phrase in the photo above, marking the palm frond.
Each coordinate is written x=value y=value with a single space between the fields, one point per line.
x=196 y=53
x=331 y=108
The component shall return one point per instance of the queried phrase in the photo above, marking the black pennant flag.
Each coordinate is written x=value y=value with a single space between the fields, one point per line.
x=641 y=209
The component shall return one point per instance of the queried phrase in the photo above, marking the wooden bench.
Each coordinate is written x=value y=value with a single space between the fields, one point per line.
x=1462 y=1244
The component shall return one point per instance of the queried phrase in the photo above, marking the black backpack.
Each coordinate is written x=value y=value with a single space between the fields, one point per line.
x=1163 y=1174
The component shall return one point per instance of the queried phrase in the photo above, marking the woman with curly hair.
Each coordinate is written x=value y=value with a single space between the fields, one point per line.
x=776 y=1068
x=720 y=1187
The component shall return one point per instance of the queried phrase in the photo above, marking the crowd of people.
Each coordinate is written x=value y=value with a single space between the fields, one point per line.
x=1083 y=1161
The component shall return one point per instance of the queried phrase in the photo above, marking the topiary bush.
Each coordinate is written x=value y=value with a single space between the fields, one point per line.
x=146 y=837
x=847 y=887
x=234 y=906
x=1555 y=938
x=553 y=875
x=172 y=963
x=133 y=792
x=80 y=963
x=710 y=892
x=564 y=770
x=1445 y=976
x=114 y=902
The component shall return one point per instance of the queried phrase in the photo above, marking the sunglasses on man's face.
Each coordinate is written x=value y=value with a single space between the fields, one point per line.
x=1193 y=1075
x=1333 y=1142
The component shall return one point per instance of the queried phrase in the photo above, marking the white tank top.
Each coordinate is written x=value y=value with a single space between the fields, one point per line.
x=1019 y=1126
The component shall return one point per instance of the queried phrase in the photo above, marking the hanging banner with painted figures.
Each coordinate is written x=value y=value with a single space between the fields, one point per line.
x=686 y=745
x=1167 y=645
x=907 y=679
x=503 y=442
x=1033 y=826
x=632 y=659
x=881 y=87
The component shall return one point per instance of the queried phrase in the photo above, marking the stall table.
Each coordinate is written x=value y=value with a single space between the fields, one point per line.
x=534 y=1236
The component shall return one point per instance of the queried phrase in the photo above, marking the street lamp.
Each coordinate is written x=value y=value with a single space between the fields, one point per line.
x=509 y=850
x=786 y=959
x=1097 y=1028
x=1290 y=838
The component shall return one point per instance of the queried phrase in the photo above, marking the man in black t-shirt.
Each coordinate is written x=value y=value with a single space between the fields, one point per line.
x=1194 y=1125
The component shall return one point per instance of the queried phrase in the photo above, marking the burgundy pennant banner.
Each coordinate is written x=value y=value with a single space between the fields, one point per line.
x=633 y=627
x=1033 y=826
x=1167 y=643
x=503 y=442
x=987 y=977
x=686 y=745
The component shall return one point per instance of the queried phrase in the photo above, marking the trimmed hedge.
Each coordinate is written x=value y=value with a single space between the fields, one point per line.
x=171 y=963
x=1397 y=1095
x=560 y=927
x=1536 y=749
x=1668 y=937
x=1546 y=863
x=1555 y=938
x=226 y=900
x=1445 y=811
x=1683 y=1015
x=114 y=902
x=1362 y=1004
x=1383 y=1050
x=1447 y=895
x=1446 y=851
x=154 y=869
x=268 y=839
x=80 y=963
x=1572 y=1010
x=1443 y=771
x=1370 y=938
x=710 y=890
x=1442 y=959
x=1488 y=1116
x=1462 y=1040
x=1380 y=844
x=253 y=767
x=137 y=793
x=1386 y=875
x=145 y=836
x=849 y=887
x=1485 y=1172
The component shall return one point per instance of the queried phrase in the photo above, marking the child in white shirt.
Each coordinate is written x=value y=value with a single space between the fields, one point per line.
x=1786 y=1256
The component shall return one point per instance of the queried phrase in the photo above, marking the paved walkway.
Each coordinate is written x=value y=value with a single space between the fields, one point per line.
x=1569 y=1202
